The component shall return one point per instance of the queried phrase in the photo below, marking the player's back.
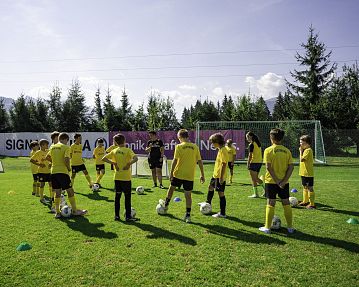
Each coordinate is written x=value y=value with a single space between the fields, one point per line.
x=187 y=155
x=280 y=158
x=58 y=153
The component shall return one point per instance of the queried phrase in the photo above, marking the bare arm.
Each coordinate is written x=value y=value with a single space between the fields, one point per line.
x=134 y=159
x=173 y=165
x=48 y=158
x=250 y=156
x=223 y=170
x=272 y=173
x=200 y=164
x=67 y=163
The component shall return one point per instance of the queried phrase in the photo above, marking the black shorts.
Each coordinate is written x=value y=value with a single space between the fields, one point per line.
x=100 y=167
x=112 y=167
x=35 y=176
x=44 y=177
x=273 y=189
x=216 y=185
x=307 y=181
x=61 y=181
x=78 y=168
x=230 y=165
x=123 y=186
x=187 y=184
x=255 y=167
x=155 y=163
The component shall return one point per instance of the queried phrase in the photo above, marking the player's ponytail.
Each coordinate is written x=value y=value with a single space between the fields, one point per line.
x=254 y=138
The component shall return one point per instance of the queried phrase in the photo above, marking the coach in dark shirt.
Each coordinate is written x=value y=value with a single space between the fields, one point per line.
x=155 y=152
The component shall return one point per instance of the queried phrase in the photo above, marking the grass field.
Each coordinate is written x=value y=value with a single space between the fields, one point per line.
x=165 y=251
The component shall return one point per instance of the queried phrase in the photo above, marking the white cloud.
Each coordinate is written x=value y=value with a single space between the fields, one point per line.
x=218 y=91
x=38 y=92
x=267 y=86
x=188 y=87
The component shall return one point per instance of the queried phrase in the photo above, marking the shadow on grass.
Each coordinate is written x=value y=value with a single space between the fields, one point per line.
x=95 y=196
x=193 y=191
x=323 y=207
x=242 y=235
x=157 y=232
x=83 y=225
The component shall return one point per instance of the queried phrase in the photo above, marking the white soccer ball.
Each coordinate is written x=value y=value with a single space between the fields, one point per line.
x=66 y=211
x=95 y=187
x=63 y=201
x=293 y=201
x=133 y=212
x=140 y=190
x=205 y=208
x=276 y=222
x=160 y=209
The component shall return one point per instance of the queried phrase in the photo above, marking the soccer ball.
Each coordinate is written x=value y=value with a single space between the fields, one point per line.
x=95 y=187
x=276 y=222
x=63 y=201
x=205 y=208
x=133 y=212
x=293 y=201
x=66 y=211
x=160 y=209
x=140 y=190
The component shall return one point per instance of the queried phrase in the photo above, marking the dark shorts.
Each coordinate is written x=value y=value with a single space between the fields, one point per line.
x=61 y=181
x=112 y=167
x=78 y=168
x=187 y=184
x=155 y=163
x=273 y=189
x=307 y=181
x=123 y=186
x=100 y=167
x=230 y=165
x=35 y=176
x=216 y=185
x=255 y=167
x=44 y=177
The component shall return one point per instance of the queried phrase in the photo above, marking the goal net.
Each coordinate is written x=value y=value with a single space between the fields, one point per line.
x=142 y=168
x=293 y=131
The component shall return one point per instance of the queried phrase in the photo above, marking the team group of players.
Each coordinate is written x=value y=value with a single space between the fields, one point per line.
x=54 y=164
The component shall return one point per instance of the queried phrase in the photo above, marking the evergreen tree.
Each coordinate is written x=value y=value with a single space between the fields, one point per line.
x=98 y=107
x=140 y=119
x=4 y=118
x=186 y=118
x=56 y=116
x=35 y=124
x=153 y=112
x=245 y=109
x=168 y=115
x=42 y=111
x=125 y=113
x=110 y=116
x=261 y=111
x=20 y=116
x=227 y=111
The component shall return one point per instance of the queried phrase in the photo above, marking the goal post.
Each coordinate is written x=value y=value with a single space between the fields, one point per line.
x=142 y=168
x=293 y=131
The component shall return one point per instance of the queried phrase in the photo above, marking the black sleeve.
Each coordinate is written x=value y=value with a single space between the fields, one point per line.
x=160 y=143
x=148 y=143
x=251 y=147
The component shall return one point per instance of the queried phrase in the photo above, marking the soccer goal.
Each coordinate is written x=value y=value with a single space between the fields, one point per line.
x=293 y=131
x=142 y=168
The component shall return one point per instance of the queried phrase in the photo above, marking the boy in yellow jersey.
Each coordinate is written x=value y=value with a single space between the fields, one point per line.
x=98 y=154
x=306 y=171
x=183 y=168
x=232 y=157
x=122 y=158
x=77 y=163
x=34 y=145
x=254 y=162
x=54 y=137
x=218 y=181
x=39 y=159
x=279 y=164
x=59 y=156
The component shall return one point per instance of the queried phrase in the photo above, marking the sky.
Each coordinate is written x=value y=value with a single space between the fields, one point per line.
x=183 y=49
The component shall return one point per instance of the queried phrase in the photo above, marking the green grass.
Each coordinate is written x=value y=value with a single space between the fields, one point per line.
x=164 y=251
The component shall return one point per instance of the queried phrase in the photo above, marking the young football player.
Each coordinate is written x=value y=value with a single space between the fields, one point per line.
x=34 y=146
x=155 y=150
x=98 y=154
x=232 y=157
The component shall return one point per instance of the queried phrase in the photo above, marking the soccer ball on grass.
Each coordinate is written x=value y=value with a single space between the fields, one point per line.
x=140 y=190
x=66 y=211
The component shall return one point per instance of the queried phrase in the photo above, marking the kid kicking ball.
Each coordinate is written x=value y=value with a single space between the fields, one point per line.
x=293 y=201
x=66 y=211
x=276 y=222
x=140 y=190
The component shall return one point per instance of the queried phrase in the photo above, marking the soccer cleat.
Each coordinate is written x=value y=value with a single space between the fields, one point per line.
x=161 y=186
x=264 y=230
x=311 y=207
x=162 y=202
x=187 y=218
x=79 y=212
x=132 y=219
x=254 y=196
x=58 y=215
x=44 y=201
x=53 y=210
x=155 y=185
x=303 y=203
x=290 y=230
x=117 y=218
x=219 y=215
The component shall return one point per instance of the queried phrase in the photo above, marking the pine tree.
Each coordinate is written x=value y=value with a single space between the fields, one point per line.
x=42 y=111
x=35 y=124
x=20 y=116
x=4 y=118
x=186 y=118
x=110 y=116
x=227 y=111
x=245 y=109
x=125 y=113
x=98 y=107
x=56 y=116
x=153 y=112
x=140 y=119
x=168 y=115
x=261 y=111
x=283 y=107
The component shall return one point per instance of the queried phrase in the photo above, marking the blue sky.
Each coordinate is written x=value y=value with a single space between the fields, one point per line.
x=113 y=43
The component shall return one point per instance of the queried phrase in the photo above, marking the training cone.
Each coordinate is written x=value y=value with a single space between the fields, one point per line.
x=23 y=246
x=353 y=221
x=176 y=199
x=294 y=190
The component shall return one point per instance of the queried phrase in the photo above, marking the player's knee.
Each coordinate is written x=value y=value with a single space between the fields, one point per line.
x=285 y=201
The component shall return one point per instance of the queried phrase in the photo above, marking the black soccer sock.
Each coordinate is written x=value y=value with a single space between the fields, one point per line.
x=222 y=204
x=168 y=200
x=117 y=203
x=210 y=195
x=188 y=211
x=128 y=204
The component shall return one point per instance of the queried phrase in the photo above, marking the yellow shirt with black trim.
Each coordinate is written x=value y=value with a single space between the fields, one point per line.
x=231 y=153
x=76 y=154
x=58 y=153
x=280 y=158
x=187 y=155
x=122 y=156
x=256 y=152
x=40 y=157
x=111 y=148
x=222 y=157
x=99 y=153
x=33 y=166
x=306 y=167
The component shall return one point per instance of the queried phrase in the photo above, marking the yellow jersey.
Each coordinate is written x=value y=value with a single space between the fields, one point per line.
x=33 y=166
x=76 y=154
x=231 y=153
x=99 y=153
x=256 y=152
x=58 y=153
x=122 y=156
x=280 y=158
x=40 y=157
x=187 y=155
x=111 y=148
x=222 y=157
x=306 y=166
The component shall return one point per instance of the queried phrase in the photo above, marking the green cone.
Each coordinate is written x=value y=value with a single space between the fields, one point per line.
x=353 y=221
x=23 y=246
